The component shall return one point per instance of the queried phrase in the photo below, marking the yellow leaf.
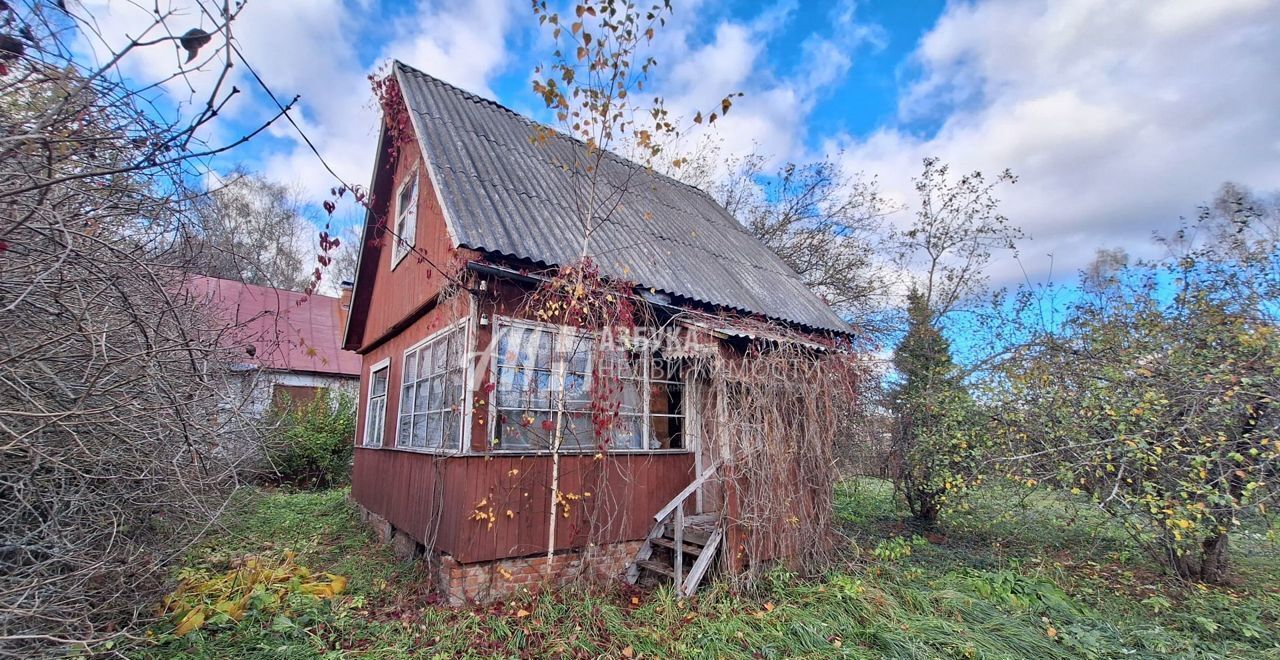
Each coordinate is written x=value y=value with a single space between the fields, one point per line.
x=194 y=619
x=1051 y=632
x=768 y=607
x=628 y=652
x=522 y=614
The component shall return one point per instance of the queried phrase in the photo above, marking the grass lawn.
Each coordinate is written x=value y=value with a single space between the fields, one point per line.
x=1007 y=578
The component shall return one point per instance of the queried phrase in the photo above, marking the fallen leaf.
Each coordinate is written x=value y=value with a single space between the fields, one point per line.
x=628 y=652
x=522 y=614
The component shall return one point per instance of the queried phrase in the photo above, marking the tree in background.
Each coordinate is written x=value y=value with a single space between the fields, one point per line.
x=347 y=257
x=1156 y=394
x=825 y=224
x=937 y=435
x=252 y=230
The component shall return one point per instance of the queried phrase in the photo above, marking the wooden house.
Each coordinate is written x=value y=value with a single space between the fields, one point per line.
x=285 y=349
x=472 y=204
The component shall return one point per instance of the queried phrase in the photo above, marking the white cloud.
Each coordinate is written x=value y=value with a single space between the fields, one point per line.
x=771 y=116
x=463 y=44
x=1118 y=117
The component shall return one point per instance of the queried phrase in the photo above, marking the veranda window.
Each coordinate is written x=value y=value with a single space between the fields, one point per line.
x=375 y=416
x=545 y=386
x=432 y=397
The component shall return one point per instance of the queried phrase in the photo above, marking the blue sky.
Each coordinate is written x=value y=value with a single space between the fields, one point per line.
x=1118 y=116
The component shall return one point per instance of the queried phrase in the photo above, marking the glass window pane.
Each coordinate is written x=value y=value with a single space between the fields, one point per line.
x=435 y=401
x=505 y=381
x=453 y=391
x=579 y=431
x=628 y=396
x=544 y=346
x=576 y=396
x=380 y=382
x=666 y=432
x=504 y=353
x=373 y=425
x=406 y=196
x=432 y=424
x=420 y=401
x=406 y=422
x=626 y=432
x=577 y=356
x=410 y=367
x=452 y=430
x=421 y=431
x=523 y=347
x=437 y=356
x=454 y=348
x=523 y=429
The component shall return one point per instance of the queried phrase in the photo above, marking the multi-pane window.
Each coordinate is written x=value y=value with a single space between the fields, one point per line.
x=432 y=398
x=546 y=387
x=651 y=410
x=376 y=413
x=406 y=225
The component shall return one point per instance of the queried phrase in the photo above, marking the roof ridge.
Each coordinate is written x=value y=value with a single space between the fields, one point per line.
x=528 y=120
x=276 y=289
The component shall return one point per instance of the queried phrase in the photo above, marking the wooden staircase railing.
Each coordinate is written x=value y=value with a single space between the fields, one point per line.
x=699 y=536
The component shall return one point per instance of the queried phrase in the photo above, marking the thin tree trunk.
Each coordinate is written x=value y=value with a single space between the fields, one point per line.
x=1215 y=562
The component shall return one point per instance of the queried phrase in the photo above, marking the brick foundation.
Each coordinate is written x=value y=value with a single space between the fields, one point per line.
x=483 y=582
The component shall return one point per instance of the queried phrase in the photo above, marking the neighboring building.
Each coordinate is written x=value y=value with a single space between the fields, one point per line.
x=287 y=345
x=444 y=461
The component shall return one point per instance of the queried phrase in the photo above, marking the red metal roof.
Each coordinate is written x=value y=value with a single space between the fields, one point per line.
x=289 y=331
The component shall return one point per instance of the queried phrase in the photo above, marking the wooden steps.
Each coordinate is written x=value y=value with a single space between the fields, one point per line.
x=693 y=548
x=657 y=567
x=676 y=536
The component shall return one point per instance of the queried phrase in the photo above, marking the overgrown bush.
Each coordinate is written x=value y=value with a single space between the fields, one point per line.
x=314 y=441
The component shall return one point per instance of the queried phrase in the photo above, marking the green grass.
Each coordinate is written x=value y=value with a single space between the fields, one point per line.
x=1010 y=577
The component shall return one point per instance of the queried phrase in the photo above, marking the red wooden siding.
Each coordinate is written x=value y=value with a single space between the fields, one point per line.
x=390 y=296
x=428 y=496
x=393 y=349
x=447 y=501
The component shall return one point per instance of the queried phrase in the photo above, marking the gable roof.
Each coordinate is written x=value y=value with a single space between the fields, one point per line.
x=289 y=331
x=503 y=193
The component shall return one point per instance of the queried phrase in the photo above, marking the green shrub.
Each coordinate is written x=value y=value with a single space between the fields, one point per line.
x=314 y=441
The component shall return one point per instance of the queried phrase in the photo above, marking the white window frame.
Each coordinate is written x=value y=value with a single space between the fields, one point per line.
x=382 y=365
x=565 y=335
x=463 y=412
x=403 y=240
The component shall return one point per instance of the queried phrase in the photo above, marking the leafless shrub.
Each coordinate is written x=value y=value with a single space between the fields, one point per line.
x=778 y=408
x=111 y=407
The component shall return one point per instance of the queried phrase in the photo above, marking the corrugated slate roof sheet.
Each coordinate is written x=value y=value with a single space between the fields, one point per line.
x=503 y=193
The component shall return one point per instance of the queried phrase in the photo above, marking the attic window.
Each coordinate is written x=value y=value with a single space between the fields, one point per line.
x=406 y=225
